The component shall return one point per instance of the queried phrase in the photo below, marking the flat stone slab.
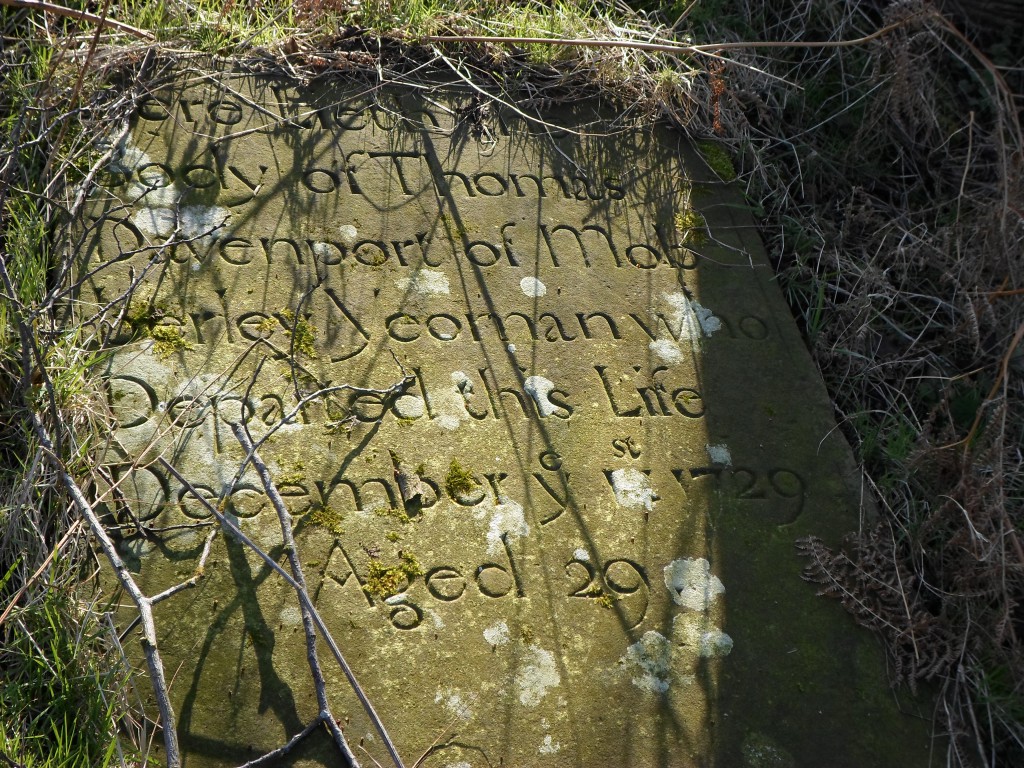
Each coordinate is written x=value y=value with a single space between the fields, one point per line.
x=558 y=434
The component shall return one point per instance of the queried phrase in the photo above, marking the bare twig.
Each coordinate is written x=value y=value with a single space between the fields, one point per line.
x=285 y=519
x=303 y=597
x=143 y=603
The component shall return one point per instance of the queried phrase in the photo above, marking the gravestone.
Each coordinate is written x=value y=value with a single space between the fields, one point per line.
x=545 y=428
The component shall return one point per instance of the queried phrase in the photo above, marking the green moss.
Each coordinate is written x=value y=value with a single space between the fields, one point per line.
x=392 y=536
x=325 y=517
x=393 y=512
x=143 y=317
x=384 y=581
x=692 y=227
x=459 y=480
x=718 y=160
x=302 y=333
x=266 y=326
x=168 y=339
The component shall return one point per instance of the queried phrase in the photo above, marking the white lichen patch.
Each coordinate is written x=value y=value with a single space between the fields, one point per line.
x=719 y=454
x=507 y=518
x=691 y=583
x=668 y=350
x=695 y=632
x=325 y=250
x=690 y=320
x=497 y=634
x=448 y=404
x=290 y=616
x=539 y=389
x=410 y=407
x=582 y=555
x=426 y=282
x=549 y=746
x=532 y=287
x=347 y=235
x=457 y=704
x=633 y=489
x=649 y=660
x=713 y=643
x=538 y=673
x=157 y=222
x=193 y=222
x=202 y=222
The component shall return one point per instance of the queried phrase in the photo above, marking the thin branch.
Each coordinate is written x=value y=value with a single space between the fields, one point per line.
x=285 y=518
x=235 y=531
x=149 y=642
x=59 y=10
x=284 y=749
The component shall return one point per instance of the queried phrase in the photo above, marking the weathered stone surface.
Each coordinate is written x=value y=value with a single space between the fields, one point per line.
x=551 y=519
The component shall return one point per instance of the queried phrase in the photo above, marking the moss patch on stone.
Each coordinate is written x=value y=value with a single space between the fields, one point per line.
x=168 y=339
x=459 y=480
x=692 y=227
x=385 y=581
x=718 y=160
x=325 y=517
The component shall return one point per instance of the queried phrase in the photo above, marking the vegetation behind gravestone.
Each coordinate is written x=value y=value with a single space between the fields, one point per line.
x=887 y=175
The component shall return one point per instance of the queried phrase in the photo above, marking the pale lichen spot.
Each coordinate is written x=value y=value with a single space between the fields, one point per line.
x=691 y=583
x=538 y=673
x=497 y=634
x=532 y=287
x=582 y=555
x=649 y=660
x=456 y=703
x=202 y=222
x=690 y=320
x=158 y=222
x=326 y=250
x=668 y=350
x=507 y=519
x=539 y=389
x=410 y=407
x=633 y=489
x=695 y=632
x=347 y=235
x=449 y=405
x=719 y=454
x=290 y=616
x=426 y=282
x=549 y=746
